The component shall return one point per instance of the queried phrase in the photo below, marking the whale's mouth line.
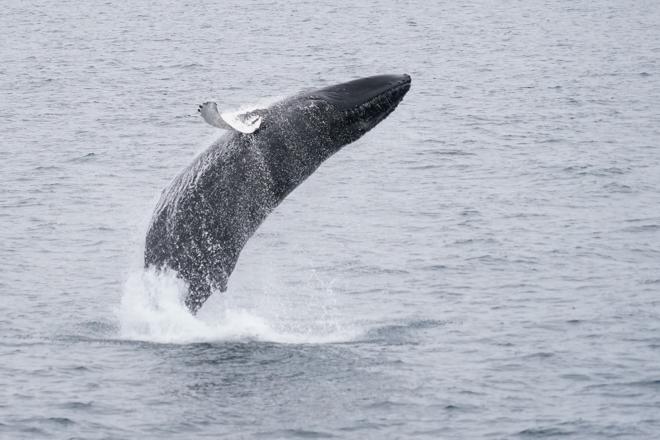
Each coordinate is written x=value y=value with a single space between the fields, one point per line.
x=384 y=97
x=385 y=102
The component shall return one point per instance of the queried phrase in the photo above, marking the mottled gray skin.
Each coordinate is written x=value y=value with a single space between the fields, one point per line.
x=210 y=210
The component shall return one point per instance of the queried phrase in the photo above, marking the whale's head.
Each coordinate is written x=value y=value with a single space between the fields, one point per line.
x=351 y=109
x=326 y=119
x=301 y=132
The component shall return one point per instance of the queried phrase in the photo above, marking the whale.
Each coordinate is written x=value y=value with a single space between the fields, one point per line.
x=208 y=212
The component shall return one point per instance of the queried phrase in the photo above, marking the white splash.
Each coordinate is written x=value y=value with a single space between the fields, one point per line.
x=152 y=309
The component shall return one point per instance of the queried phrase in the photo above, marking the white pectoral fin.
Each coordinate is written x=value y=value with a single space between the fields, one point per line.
x=244 y=122
x=209 y=111
x=240 y=121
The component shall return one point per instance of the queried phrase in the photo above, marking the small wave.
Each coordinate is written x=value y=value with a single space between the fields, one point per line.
x=651 y=281
x=76 y=405
x=396 y=334
x=590 y=170
x=83 y=158
x=152 y=310
x=61 y=421
x=295 y=433
x=544 y=432
x=616 y=187
x=649 y=383
x=642 y=228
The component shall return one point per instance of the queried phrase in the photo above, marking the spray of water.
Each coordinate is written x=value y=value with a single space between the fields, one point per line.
x=152 y=309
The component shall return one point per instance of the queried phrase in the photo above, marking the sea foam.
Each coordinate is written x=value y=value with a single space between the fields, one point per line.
x=152 y=309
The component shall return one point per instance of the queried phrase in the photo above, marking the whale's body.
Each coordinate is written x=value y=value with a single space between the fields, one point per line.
x=210 y=210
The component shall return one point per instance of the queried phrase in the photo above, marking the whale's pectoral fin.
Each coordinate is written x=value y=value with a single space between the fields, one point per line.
x=210 y=113
x=244 y=122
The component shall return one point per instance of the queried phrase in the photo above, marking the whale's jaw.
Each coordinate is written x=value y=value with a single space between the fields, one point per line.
x=353 y=95
x=363 y=103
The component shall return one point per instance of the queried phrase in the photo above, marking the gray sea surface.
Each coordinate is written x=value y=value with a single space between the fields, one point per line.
x=483 y=264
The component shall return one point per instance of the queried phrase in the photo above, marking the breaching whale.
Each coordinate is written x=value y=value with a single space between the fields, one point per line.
x=209 y=211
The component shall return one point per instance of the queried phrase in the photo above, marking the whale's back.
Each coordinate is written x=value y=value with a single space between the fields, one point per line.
x=208 y=212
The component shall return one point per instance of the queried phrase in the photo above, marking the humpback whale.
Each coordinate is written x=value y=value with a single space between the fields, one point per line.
x=209 y=211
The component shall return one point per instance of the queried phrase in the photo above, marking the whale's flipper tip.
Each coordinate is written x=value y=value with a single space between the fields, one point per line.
x=209 y=111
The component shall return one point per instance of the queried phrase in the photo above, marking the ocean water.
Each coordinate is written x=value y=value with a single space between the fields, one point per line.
x=484 y=264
